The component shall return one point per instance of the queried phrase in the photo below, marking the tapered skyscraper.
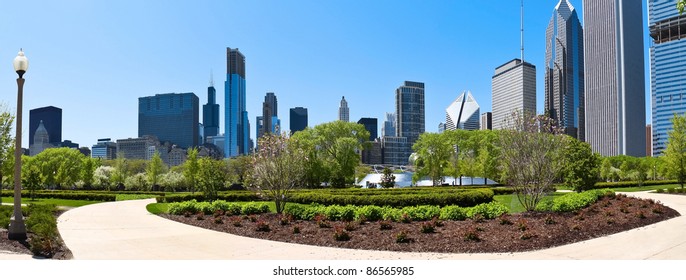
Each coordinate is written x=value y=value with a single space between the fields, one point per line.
x=667 y=69
x=564 y=71
x=236 y=125
x=614 y=77
x=210 y=113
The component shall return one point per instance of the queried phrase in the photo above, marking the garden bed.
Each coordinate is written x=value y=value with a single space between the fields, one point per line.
x=508 y=233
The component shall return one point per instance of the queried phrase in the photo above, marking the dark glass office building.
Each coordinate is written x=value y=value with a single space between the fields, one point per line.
x=298 y=119
x=210 y=113
x=171 y=117
x=371 y=125
x=52 y=121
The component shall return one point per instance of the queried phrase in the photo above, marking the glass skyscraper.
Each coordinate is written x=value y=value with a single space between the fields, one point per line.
x=344 y=111
x=564 y=71
x=298 y=120
x=52 y=120
x=409 y=108
x=463 y=113
x=171 y=117
x=236 y=124
x=614 y=82
x=210 y=113
x=513 y=88
x=667 y=69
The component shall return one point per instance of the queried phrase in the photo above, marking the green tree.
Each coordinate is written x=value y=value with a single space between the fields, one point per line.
x=191 y=168
x=121 y=171
x=172 y=181
x=6 y=141
x=332 y=150
x=680 y=5
x=641 y=171
x=388 y=179
x=238 y=169
x=31 y=176
x=60 y=167
x=581 y=166
x=88 y=167
x=606 y=169
x=532 y=152
x=433 y=155
x=211 y=177
x=154 y=170
x=277 y=169
x=675 y=154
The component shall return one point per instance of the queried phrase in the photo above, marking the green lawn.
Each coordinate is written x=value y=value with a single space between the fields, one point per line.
x=511 y=201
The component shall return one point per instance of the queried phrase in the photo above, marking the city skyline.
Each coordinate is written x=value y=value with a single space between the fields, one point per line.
x=94 y=52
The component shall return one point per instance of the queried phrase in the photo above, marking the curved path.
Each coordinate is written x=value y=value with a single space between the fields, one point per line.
x=125 y=230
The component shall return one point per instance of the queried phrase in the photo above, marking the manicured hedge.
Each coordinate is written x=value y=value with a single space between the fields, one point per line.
x=193 y=207
x=375 y=213
x=573 y=201
x=464 y=198
x=75 y=195
x=226 y=196
x=627 y=184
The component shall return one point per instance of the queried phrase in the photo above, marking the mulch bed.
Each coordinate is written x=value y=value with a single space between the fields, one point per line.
x=509 y=233
x=61 y=252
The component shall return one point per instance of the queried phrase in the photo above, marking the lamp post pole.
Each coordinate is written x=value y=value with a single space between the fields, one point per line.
x=17 y=228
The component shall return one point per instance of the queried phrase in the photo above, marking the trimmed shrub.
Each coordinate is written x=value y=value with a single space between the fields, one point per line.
x=455 y=213
x=252 y=208
x=371 y=212
x=574 y=201
x=488 y=210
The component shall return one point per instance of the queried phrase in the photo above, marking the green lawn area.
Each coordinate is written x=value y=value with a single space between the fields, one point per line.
x=57 y=202
x=511 y=201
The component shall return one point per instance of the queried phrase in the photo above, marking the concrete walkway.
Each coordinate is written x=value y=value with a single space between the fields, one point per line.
x=125 y=230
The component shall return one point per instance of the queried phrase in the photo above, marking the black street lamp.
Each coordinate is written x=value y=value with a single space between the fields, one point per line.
x=17 y=229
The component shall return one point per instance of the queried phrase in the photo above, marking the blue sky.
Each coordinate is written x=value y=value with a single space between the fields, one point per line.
x=94 y=59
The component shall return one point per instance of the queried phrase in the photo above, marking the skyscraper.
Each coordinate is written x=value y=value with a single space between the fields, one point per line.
x=463 y=113
x=486 y=121
x=298 y=119
x=409 y=108
x=52 y=121
x=564 y=70
x=371 y=125
x=269 y=113
x=171 y=117
x=614 y=81
x=409 y=123
x=388 y=128
x=514 y=89
x=667 y=69
x=210 y=113
x=236 y=124
x=343 y=111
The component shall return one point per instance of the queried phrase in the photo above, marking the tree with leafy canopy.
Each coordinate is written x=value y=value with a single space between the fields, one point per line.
x=190 y=170
x=155 y=168
x=211 y=177
x=88 y=167
x=31 y=176
x=6 y=144
x=433 y=155
x=581 y=166
x=334 y=146
x=532 y=153
x=387 y=179
x=675 y=154
x=606 y=169
x=680 y=5
x=277 y=169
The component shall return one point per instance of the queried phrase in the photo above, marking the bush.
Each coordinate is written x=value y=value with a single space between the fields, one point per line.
x=252 y=208
x=463 y=198
x=180 y=208
x=428 y=227
x=370 y=212
x=455 y=213
x=488 y=210
x=41 y=221
x=341 y=234
x=402 y=237
x=574 y=201
x=422 y=213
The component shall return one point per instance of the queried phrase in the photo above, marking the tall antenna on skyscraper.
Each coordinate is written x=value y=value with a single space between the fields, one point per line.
x=211 y=79
x=521 y=23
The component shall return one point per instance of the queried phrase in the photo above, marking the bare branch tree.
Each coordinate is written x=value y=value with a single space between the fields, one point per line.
x=277 y=169
x=532 y=156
